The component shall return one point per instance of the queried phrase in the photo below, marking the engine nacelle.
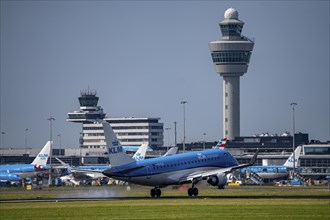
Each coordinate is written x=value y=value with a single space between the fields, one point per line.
x=219 y=180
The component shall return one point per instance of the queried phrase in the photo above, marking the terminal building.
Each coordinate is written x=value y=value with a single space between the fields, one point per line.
x=130 y=131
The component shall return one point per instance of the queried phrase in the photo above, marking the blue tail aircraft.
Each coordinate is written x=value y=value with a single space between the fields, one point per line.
x=211 y=165
x=15 y=172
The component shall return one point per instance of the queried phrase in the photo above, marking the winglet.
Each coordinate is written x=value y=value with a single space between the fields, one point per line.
x=254 y=158
x=63 y=163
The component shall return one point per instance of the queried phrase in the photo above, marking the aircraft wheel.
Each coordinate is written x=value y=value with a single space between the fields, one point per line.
x=221 y=187
x=158 y=192
x=195 y=191
x=190 y=191
x=153 y=192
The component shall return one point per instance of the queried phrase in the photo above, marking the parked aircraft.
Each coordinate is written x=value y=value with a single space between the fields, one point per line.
x=210 y=165
x=15 y=172
x=274 y=171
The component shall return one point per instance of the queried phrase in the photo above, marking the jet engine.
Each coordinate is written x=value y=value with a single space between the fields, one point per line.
x=219 y=180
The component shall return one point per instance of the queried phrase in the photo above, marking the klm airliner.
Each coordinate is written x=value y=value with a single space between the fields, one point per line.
x=94 y=172
x=210 y=165
x=15 y=172
x=276 y=171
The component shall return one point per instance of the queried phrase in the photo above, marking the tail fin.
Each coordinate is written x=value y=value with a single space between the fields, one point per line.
x=171 y=151
x=42 y=157
x=222 y=143
x=289 y=162
x=140 y=154
x=117 y=155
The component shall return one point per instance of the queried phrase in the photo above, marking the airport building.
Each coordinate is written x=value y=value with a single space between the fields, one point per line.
x=130 y=131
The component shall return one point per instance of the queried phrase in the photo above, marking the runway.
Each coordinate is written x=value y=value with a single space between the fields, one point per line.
x=164 y=198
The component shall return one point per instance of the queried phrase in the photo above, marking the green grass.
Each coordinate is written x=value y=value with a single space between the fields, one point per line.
x=207 y=209
x=7 y=193
x=163 y=208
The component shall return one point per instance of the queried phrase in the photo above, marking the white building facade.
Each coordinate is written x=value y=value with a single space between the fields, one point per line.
x=130 y=131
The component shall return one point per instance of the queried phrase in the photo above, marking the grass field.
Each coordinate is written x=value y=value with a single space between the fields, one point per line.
x=170 y=208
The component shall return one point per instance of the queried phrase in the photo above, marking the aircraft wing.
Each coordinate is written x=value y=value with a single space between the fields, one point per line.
x=203 y=175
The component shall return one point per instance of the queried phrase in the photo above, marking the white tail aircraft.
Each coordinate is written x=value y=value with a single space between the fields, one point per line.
x=15 y=172
x=275 y=171
x=210 y=165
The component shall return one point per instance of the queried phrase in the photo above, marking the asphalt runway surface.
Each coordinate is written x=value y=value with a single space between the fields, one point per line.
x=164 y=197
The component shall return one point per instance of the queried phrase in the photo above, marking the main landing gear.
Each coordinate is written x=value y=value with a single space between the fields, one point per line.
x=156 y=192
x=193 y=191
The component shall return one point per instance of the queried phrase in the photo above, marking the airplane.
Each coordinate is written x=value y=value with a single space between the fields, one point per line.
x=274 y=171
x=16 y=172
x=211 y=165
x=95 y=172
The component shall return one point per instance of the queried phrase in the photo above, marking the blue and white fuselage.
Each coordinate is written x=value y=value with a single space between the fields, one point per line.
x=211 y=165
x=20 y=171
x=15 y=172
x=268 y=172
x=174 y=170
x=276 y=171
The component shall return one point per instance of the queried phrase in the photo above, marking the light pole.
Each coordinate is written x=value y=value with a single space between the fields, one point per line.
x=184 y=125
x=50 y=119
x=293 y=104
x=2 y=142
x=59 y=137
x=168 y=136
x=204 y=141
x=175 y=143
x=26 y=130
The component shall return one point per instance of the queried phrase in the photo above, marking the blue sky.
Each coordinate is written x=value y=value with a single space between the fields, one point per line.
x=145 y=57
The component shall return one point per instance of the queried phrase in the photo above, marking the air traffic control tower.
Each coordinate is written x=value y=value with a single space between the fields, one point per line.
x=89 y=110
x=231 y=55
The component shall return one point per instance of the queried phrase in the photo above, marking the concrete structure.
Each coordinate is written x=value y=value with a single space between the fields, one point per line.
x=130 y=131
x=88 y=108
x=231 y=55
